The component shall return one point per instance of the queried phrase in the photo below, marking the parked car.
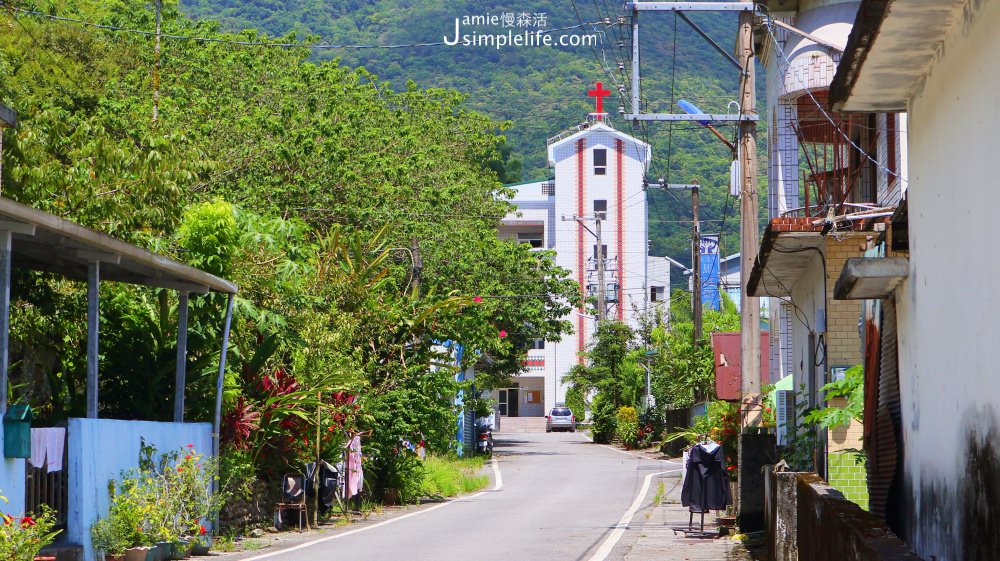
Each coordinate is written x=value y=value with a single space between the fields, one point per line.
x=560 y=418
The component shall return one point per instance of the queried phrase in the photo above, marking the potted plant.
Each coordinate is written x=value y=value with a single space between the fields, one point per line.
x=107 y=537
x=202 y=543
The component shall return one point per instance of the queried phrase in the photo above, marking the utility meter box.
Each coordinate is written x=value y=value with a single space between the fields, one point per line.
x=17 y=432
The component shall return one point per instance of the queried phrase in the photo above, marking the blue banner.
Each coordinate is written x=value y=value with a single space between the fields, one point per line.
x=710 y=273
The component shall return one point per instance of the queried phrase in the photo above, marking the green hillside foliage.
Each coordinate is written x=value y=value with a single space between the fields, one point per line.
x=540 y=91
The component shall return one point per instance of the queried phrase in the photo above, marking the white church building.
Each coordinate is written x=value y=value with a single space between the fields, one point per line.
x=599 y=176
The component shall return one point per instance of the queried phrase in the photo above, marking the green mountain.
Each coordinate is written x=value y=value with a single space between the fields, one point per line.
x=539 y=90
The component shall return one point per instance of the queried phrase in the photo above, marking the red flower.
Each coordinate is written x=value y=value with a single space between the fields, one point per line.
x=190 y=445
x=503 y=333
x=731 y=468
x=179 y=469
x=202 y=531
x=27 y=521
x=477 y=299
x=188 y=457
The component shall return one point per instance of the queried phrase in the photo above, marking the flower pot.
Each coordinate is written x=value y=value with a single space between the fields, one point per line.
x=155 y=554
x=44 y=558
x=136 y=554
x=166 y=550
x=201 y=545
x=182 y=549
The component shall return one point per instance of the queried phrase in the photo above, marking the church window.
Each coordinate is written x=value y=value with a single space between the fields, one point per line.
x=600 y=161
x=601 y=209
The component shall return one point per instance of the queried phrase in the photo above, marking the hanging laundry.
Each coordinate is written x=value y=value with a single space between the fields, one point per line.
x=706 y=485
x=47 y=448
x=355 y=474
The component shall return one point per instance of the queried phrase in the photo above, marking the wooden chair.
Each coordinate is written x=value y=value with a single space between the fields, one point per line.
x=293 y=499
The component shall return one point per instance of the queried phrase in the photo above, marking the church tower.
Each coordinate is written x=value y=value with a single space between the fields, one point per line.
x=597 y=192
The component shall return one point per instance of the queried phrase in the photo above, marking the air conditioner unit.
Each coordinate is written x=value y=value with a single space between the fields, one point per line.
x=784 y=414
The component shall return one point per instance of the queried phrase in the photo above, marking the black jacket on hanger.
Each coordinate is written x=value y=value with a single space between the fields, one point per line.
x=706 y=485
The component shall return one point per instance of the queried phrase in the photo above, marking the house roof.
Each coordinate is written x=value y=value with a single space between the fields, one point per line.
x=641 y=150
x=46 y=242
x=889 y=50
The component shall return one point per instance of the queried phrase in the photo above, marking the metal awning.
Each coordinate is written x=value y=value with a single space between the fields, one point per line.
x=865 y=278
x=46 y=242
x=782 y=259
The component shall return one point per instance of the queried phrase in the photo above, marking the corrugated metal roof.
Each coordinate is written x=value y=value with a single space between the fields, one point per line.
x=46 y=242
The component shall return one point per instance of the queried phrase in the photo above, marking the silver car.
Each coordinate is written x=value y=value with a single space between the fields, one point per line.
x=560 y=418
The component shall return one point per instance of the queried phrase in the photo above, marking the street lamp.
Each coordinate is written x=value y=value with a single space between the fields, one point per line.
x=646 y=358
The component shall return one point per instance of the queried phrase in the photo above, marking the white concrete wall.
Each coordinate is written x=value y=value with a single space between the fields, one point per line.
x=947 y=307
x=100 y=449
x=807 y=294
x=11 y=482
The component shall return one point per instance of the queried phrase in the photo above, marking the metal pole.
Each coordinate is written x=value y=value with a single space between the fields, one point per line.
x=601 y=296
x=180 y=376
x=696 y=291
x=636 y=89
x=93 y=329
x=5 y=237
x=749 y=306
x=216 y=426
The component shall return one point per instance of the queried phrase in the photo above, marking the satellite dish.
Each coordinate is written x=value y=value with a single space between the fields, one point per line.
x=692 y=109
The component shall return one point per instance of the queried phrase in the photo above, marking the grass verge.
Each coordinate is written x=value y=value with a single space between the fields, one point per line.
x=448 y=476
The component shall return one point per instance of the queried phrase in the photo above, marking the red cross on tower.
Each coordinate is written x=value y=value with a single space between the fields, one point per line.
x=600 y=93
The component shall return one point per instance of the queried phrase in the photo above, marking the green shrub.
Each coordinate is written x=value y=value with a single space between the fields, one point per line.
x=576 y=403
x=604 y=419
x=627 y=426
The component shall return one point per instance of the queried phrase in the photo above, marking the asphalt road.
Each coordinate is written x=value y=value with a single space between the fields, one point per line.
x=562 y=498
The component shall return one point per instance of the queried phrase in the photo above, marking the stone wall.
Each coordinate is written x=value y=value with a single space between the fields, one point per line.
x=810 y=521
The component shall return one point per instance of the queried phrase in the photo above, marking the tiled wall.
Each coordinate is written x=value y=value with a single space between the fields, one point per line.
x=848 y=476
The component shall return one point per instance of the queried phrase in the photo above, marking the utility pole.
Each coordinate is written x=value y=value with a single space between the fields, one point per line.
x=599 y=258
x=602 y=308
x=749 y=206
x=696 y=304
x=696 y=265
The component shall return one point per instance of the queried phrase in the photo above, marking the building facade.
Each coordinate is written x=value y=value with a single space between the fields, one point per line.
x=593 y=211
x=834 y=179
x=935 y=402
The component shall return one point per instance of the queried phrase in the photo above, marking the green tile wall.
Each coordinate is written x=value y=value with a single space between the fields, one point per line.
x=849 y=477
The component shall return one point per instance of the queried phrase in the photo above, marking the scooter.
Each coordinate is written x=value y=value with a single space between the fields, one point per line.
x=484 y=436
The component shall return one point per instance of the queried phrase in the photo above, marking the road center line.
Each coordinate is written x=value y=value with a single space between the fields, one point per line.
x=496 y=487
x=612 y=540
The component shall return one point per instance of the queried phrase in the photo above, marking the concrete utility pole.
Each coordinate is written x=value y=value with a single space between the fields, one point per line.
x=602 y=302
x=749 y=207
x=696 y=304
x=599 y=258
x=696 y=266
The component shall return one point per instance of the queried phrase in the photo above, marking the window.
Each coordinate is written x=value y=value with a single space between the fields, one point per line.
x=536 y=345
x=656 y=293
x=534 y=239
x=600 y=161
x=601 y=209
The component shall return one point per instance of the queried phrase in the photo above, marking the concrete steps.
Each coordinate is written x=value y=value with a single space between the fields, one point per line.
x=522 y=424
x=63 y=552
